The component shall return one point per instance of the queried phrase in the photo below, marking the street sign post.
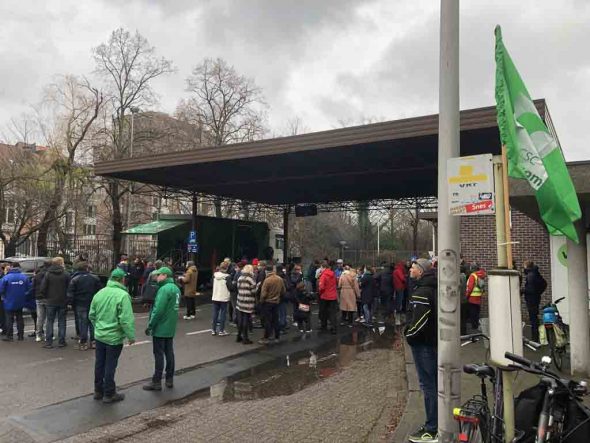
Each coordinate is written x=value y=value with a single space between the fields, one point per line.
x=471 y=185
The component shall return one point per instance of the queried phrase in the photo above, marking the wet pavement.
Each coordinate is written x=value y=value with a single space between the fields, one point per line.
x=296 y=364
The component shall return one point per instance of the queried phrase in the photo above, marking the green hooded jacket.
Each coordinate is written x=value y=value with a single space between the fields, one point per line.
x=164 y=313
x=111 y=314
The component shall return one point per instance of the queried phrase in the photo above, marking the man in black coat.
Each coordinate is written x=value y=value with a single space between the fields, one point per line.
x=534 y=286
x=81 y=290
x=421 y=335
x=54 y=290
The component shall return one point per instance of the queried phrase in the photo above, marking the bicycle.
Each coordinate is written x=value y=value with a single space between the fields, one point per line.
x=477 y=424
x=556 y=332
x=562 y=403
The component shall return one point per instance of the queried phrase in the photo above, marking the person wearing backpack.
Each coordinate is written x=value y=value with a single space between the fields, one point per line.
x=534 y=286
x=476 y=288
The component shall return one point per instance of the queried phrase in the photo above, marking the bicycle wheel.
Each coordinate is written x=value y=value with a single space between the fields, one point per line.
x=556 y=355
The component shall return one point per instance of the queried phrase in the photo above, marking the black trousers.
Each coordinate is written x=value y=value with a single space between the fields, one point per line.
x=244 y=320
x=107 y=358
x=347 y=317
x=474 y=315
x=303 y=320
x=190 y=306
x=328 y=312
x=533 y=309
x=163 y=350
x=270 y=313
x=20 y=323
x=133 y=286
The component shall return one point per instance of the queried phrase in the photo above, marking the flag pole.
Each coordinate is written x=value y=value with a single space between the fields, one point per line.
x=507 y=229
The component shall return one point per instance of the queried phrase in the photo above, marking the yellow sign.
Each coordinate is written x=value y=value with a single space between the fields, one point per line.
x=466 y=175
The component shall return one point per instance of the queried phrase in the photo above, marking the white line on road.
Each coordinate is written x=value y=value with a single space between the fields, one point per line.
x=42 y=362
x=137 y=343
x=199 y=332
x=70 y=323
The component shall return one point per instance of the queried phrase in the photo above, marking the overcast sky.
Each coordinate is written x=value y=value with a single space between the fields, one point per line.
x=324 y=61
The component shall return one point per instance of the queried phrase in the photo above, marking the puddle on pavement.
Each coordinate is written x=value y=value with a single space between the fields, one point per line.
x=296 y=371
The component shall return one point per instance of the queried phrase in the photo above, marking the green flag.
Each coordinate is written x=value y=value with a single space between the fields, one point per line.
x=533 y=153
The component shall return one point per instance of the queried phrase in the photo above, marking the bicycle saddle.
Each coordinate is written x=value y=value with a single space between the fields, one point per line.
x=479 y=370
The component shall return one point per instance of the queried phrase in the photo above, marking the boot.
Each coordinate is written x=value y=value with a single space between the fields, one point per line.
x=152 y=386
x=114 y=398
x=169 y=383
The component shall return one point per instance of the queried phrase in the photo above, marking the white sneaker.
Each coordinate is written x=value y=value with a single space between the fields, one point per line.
x=223 y=333
x=186 y=317
x=38 y=338
x=192 y=317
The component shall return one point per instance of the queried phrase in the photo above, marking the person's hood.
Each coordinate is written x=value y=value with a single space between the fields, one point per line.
x=192 y=268
x=15 y=271
x=165 y=282
x=328 y=270
x=534 y=270
x=481 y=273
x=400 y=265
x=247 y=274
x=54 y=269
x=429 y=278
x=220 y=275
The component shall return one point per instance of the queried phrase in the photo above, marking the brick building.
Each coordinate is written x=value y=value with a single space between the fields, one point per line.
x=531 y=242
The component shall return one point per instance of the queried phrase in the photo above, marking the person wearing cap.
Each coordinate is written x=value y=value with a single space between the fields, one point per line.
x=81 y=289
x=162 y=328
x=111 y=314
x=421 y=335
x=339 y=269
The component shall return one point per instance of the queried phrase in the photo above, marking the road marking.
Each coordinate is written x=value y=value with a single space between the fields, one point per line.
x=42 y=362
x=199 y=332
x=70 y=323
x=137 y=343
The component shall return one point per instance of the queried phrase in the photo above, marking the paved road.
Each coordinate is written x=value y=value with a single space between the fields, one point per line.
x=32 y=376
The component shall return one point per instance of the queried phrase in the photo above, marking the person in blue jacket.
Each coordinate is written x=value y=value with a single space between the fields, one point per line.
x=15 y=288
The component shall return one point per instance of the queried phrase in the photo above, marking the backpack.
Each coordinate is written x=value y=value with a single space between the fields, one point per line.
x=482 y=283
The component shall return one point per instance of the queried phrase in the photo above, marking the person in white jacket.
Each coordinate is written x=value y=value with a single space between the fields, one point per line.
x=221 y=296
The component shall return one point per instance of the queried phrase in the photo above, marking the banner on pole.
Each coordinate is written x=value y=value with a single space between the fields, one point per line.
x=471 y=185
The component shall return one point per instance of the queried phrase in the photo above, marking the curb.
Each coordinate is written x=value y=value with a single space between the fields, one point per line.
x=413 y=413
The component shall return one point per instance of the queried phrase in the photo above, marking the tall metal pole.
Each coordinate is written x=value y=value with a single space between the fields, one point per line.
x=286 y=212
x=194 y=213
x=449 y=361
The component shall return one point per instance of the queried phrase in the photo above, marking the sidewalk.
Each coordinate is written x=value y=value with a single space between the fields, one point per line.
x=345 y=395
x=413 y=415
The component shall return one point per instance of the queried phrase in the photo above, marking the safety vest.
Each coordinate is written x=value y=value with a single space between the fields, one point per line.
x=477 y=291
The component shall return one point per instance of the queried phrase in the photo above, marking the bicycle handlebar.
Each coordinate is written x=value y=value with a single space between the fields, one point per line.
x=471 y=337
x=518 y=359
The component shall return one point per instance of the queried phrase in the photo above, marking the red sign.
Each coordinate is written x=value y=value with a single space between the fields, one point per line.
x=480 y=206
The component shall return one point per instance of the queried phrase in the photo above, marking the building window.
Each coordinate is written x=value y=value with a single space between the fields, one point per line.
x=91 y=211
x=9 y=215
x=155 y=201
x=69 y=220
x=280 y=242
x=89 y=229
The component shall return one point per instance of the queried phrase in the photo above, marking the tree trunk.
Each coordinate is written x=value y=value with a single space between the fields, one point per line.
x=9 y=248
x=217 y=204
x=50 y=216
x=117 y=221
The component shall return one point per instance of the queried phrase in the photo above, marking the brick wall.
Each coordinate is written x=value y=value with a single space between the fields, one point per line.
x=478 y=244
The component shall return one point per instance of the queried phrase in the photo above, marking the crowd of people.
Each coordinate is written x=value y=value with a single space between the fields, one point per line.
x=265 y=294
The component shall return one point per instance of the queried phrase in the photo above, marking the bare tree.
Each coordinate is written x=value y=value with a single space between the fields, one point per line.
x=228 y=106
x=127 y=64
x=69 y=109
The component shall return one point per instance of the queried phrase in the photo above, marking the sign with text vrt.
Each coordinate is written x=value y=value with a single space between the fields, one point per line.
x=471 y=185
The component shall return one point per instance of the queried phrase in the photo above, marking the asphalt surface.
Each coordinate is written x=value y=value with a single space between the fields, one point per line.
x=31 y=377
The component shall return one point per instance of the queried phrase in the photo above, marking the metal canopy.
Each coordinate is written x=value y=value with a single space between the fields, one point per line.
x=154 y=227
x=389 y=160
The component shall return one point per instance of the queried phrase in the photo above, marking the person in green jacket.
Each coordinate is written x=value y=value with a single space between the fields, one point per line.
x=111 y=315
x=162 y=328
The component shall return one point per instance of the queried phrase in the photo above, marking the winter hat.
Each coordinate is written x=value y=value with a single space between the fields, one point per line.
x=423 y=264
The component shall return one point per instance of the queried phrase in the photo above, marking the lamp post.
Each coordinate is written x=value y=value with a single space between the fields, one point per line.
x=342 y=247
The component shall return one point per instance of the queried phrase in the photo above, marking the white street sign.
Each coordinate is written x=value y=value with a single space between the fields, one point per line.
x=471 y=185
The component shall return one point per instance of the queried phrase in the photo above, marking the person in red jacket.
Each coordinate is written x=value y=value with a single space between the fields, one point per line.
x=328 y=290
x=399 y=286
x=474 y=292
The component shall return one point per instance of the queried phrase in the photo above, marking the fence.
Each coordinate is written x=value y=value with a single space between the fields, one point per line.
x=99 y=251
x=372 y=258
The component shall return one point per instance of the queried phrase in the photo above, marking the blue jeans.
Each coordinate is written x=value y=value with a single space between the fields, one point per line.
x=107 y=358
x=398 y=300
x=283 y=315
x=368 y=312
x=52 y=312
x=219 y=312
x=84 y=325
x=425 y=359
